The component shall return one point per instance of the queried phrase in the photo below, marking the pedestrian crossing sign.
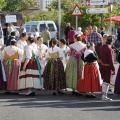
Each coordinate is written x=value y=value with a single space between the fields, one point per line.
x=76 y=11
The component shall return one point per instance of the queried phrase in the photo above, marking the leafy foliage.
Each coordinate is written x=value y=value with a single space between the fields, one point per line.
x=18 y=5
x=66 y=10
x=2 y=4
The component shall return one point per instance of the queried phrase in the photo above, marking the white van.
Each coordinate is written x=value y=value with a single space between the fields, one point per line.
x=41 y=25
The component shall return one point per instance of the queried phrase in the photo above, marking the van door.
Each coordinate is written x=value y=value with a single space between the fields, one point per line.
x=52 y=30
x=42 y=27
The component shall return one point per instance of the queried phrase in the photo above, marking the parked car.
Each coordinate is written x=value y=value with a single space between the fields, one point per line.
x=41 y=25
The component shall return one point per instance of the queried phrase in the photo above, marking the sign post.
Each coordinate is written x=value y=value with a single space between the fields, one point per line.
x=76 y=22
x=76 y=12
x=111 y=8
x=59 y=18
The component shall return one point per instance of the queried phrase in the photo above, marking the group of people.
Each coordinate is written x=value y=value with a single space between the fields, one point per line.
x=30 y=64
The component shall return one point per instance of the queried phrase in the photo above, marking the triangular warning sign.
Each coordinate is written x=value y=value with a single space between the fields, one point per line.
x=76 y=11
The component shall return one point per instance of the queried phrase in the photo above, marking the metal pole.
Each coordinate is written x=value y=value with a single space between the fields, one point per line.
x=102 y=20
x=111 y=23
x=59 y=18
x=76 y=22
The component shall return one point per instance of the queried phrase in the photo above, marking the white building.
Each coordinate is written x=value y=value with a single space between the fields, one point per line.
x=44 y=4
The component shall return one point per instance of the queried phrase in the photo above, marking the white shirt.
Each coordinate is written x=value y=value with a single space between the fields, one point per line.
x=36 y=34
x=65 y=50
x=78 y=46
x=29 y=51
x=21 y=44
x=42 y=49
x=78 y=32
x=11 y=50
x=54 y=50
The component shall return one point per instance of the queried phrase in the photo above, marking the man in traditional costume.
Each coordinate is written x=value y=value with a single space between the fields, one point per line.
x=107 y=61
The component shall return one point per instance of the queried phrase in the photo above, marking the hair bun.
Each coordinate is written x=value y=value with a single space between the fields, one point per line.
x=31 y=39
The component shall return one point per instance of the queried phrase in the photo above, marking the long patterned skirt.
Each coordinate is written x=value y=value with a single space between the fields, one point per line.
x=91 y=80
x=12 y=72
x=117 y=82
x=30 y=78
x=72 y=74
x=54 y=75
x=2 y=77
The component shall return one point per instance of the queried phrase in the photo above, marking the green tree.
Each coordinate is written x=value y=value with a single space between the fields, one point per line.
x=2 y=4
x=18 y=5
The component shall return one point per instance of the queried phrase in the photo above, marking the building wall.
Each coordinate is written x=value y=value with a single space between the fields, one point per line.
x=37 y=3
x=44 y=4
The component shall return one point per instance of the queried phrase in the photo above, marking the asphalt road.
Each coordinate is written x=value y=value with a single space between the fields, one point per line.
x=45 y=106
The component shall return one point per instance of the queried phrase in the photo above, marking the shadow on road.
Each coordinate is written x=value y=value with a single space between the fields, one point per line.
x=42 y=100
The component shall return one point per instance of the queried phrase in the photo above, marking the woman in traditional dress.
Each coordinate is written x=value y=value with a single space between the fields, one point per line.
x=75 y=64
x=54 y=75
x=90 y=82
x=65 y=49
x=22 y=43
x=42 y=50
x=2 y=71
x=36 y=34
x=117 y=82
x=11 y=62
x=30 y=73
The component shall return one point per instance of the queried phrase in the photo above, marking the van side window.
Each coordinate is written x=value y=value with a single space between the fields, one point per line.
x=27 y=28
x=33 y=27
x=42 y=27
x=51 y=27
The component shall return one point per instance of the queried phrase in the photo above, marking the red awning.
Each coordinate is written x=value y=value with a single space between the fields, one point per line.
x=115 y=19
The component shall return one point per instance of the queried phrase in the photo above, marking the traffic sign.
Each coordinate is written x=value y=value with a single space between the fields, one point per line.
x=10 y=18
x=96 y=2
x=76 y=11
x=96 y=10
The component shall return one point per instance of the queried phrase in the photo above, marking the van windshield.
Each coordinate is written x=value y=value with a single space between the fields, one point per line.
x=42 y=27
x=51 y=27
x=27 y=28
x=33 y=27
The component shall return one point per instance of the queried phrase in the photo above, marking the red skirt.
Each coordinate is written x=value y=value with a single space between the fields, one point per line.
x=91 y=81
x=12 y=72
